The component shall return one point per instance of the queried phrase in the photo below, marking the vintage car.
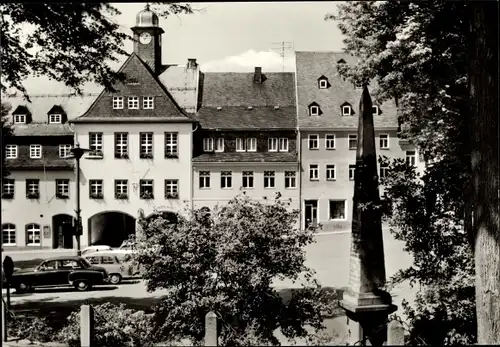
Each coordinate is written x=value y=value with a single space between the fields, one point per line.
x=60 y=271
x=92 y=249
x=118 y=264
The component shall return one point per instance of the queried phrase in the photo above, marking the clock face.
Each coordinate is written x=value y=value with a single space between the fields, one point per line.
x=145 y=38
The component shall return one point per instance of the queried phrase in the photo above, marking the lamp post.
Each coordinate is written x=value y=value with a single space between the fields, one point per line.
x=77 y=154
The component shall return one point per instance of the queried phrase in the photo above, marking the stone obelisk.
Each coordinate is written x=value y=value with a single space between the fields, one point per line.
x=367 y=306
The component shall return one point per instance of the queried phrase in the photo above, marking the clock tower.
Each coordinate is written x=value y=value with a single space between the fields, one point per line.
x=147 y=38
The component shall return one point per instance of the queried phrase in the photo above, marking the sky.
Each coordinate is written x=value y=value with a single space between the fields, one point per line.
x=237 y=37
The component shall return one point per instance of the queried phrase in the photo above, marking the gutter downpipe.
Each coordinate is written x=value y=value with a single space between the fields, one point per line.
x=299 y=142
x=191 y=175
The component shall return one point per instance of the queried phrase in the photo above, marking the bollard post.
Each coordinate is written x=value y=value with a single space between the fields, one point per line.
x=211 y=338
x=4 y=321
x=86 y=326
x=395 y=334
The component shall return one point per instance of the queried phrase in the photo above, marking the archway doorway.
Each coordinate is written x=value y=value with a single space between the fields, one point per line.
x=110 y=228
x=62 y=231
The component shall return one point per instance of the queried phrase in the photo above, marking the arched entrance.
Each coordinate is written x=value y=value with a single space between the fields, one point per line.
x=110 y=228
x=62 y=231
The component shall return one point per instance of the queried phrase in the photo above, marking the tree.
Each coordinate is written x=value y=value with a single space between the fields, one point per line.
x=225 y=261
x=6 y=133
x=68 y=42
x=418 y=54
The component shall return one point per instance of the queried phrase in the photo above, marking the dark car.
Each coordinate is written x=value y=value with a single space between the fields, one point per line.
x=60 y=271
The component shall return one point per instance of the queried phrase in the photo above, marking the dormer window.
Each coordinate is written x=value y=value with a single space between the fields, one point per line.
x=323 y=83
x=20 y=118
x=55 y=119
x=346 y=110
x=375 y=110
x=117 y=102
x=314 y=109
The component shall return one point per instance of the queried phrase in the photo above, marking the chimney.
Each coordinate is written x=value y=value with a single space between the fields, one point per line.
x=191 y=63
x=257 y=76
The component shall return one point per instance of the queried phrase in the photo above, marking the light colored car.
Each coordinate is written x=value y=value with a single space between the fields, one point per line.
x=113 y=262
x=92 y=249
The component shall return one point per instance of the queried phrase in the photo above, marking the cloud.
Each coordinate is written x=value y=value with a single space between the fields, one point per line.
x=247 y=61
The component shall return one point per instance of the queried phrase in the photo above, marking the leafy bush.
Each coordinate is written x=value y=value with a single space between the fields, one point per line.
x=30 y=328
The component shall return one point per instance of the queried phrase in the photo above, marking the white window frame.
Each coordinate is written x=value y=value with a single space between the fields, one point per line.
x=133 y=102
x=251 y=144
x=146 y=143
x=96 y=187
x=346 y=110
x=272 y=144
x=411 y=157
x=35 y=151
x=11 y=151
x=219 y=144
x=331 y=169
x=383 y=170
x=290 y=179
x=8 y=186
x=33 y=186
x=64 y=151
x=313 y=168
x=171 y=188
x=121 y=187
x=55 y=118
x=62 y=188
x=323 y=83
x=247 y=179
x=352 y=168
x=314 y=110
x=330 y=209
x=144 y=185
x=313 y=137
x=375 y=113
x=33 y=230
x=148 y=102
x=118 y=103
x=269 y=179
x=96 y=144
x=121 y=144
x=20 y=119
x=171 y=144
x=352 y=137
x=204 y=176
x=283 y=144
x=8 y=234
x=240 y=145
x=384 y=141
x=208 y=144
x=226 y=180
x=330 y=141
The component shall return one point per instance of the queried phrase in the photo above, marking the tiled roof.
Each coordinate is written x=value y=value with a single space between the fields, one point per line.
x=239 y=117
x=251 y=157
x=312 y=65
x=30 y=164
x=42 y=129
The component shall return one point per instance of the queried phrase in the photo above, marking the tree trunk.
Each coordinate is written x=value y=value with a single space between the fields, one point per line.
x=483 y=83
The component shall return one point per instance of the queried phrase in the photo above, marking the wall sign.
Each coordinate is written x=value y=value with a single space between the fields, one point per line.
x=46 y=231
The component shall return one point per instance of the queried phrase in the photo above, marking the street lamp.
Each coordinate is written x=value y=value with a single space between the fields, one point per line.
x=77 y=154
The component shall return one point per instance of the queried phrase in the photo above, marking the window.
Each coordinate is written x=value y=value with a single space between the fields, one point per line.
x=95 y=144
x=337 y=209
x=146 y=189
x=353 y=141
x=146 y=148
x=8 y=234
x=10 y=151
x=313 y=141
x=208 y=144
x=375 y=110
x=283 y=145
x=290 y=179
x=32 y=235
x=93 y=260
x=323 y=84
x=171 y=145
x=107 y=260
x=314 y=110
x=313 y=172
x=352 y=169
x=272 y=145
x=64 y=151
x=148 y=102
x=219 y=144
x=20 y=118
x=226 y=179
x=118 y=102
x=269 y=181
x=383 y=171
x=55 y=118
x=346 y=110
x=96 y=189
x=171 y=189
x=8 y=188
x=35 y=151
x=330 y=172
x=330 y=141
x=133 y=102
x=62 y=188
x=251 y=144
x=121 y=145
x=240 y=145
x=411 y=158
x=247 y=180
x=204 y=179
x=121 y=189
x=32 y=188
x=384 y=141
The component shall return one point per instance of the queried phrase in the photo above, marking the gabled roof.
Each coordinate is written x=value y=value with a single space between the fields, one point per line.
x=165 y=108
x=311 y=65
x=21 y=109
x=56 y=109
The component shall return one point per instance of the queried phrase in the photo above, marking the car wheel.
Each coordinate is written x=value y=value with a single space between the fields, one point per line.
x=23 y=288
x=82 y=285
x=115 y=278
